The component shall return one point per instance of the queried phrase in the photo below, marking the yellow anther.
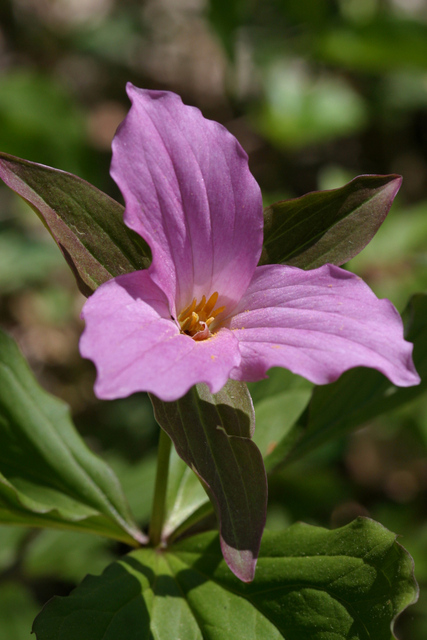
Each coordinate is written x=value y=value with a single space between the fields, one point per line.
x=215 y=313
x=194 y=321
x=201 y=304
x=195 y=318
x=185 y=324
x=210 y=304
x=188 y=310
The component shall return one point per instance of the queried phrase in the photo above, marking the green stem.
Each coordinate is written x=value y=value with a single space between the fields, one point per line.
x=159 y=498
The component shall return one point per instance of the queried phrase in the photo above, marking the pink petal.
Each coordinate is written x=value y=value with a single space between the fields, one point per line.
x=189 y=193
x=137 y=346
x=318 y=324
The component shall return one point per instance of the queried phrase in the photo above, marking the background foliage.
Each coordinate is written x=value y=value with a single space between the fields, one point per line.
x=317 y=91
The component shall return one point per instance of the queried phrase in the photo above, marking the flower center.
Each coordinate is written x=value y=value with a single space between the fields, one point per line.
x=197 y=317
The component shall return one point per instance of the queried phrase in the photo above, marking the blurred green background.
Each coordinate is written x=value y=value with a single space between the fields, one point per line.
x=317 y=92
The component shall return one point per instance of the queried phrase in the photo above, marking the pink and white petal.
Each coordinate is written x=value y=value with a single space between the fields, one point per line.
x=318 y=324
x=136 y=345
x=189 y=193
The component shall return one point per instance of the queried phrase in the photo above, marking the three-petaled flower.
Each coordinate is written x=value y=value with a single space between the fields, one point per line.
x=204 y=311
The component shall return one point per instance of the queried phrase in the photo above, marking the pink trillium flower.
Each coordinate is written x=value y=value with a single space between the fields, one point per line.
x=204 y=311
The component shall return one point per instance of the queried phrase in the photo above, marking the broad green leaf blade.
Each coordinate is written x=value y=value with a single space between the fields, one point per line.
x=48 y=477
x=279 y=401
x=327 y=226
x=311 y=583
x=212 y=434
x=86 y=224
x=361 y=394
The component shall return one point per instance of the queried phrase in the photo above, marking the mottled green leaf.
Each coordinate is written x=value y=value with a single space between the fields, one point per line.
x=48 y=477
x=310 y=583
x=327 y=226
x=86 y=224
x=212 y=434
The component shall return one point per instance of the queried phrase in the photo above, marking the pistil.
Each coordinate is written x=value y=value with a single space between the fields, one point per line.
x=196 y=318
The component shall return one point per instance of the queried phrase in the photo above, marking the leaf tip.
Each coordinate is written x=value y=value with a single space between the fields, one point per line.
x=242 y=562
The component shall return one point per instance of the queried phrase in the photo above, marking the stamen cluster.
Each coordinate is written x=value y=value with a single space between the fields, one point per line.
x=196 y=319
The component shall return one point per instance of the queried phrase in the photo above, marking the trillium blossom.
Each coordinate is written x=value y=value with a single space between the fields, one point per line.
x=204 y=312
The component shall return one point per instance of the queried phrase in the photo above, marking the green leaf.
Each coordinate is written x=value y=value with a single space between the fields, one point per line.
x=86 y=224
x=279 y=400
x=212 y=434
x=48 y=477
x=311 y=583
x=327 y=226
x=362 y=394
